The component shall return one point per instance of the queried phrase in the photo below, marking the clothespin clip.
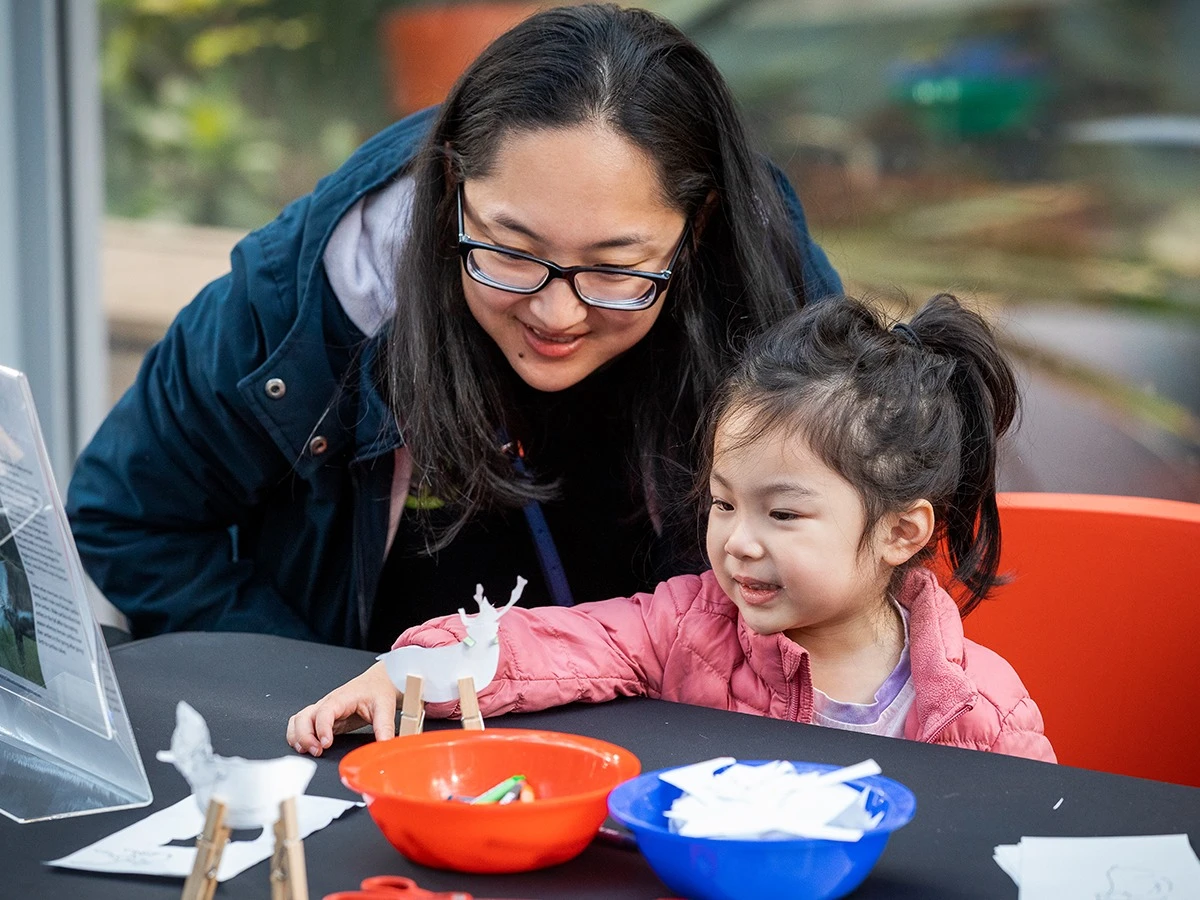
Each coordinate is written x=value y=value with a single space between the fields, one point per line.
x=202 y=881
x=289 y=877
x=412 y=713
x=468 y=703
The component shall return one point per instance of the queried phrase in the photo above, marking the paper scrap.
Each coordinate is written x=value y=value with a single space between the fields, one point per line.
x=724 y=798
x=142 y=848
x=1141 y=867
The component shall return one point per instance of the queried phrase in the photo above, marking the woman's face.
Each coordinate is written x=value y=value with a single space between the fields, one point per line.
x=578 y=196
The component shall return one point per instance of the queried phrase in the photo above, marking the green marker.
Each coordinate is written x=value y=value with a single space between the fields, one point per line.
x=499 y=792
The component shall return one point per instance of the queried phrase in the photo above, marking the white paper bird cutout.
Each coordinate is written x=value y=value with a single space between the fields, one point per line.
x=251 y=789
x=476 y=656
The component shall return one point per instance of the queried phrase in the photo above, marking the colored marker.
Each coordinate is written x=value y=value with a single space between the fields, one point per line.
x=616 y=838
x=511 y=785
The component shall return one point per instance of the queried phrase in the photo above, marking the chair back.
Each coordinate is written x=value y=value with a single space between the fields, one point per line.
x=1102 y=623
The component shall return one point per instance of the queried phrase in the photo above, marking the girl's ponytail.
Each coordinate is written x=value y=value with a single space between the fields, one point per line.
x=983 y=384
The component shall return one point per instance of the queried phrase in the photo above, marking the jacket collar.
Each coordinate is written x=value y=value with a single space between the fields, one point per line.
x=780 y=663
x=937 y=652
x=309 y=223
x=368 y=169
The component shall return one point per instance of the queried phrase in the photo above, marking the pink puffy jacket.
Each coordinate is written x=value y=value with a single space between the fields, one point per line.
x=686 y=642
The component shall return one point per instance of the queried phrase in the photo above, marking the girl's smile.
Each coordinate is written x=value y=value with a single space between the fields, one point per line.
x=756 y=593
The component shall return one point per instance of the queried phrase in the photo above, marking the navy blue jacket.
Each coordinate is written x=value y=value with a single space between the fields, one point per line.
x=235 y=487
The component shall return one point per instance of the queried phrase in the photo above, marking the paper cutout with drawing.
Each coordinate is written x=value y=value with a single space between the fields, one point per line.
x=251 y=789
x=1135 y=867
x=477 y=656
x=164 y=843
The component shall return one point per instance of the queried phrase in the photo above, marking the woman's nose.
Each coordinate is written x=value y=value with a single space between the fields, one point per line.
x=557 y=307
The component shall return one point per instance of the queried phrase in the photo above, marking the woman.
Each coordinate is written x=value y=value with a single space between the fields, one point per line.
x=477 y=350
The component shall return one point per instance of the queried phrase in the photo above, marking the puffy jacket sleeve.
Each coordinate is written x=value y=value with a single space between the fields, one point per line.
x=593 y=652
x=1022 y=733
x=179 y=461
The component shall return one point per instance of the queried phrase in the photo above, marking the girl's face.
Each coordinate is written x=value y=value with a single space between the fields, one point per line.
x=784 y=536
x=575 y=196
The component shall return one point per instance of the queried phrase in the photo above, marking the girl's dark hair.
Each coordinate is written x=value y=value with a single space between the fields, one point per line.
x=914 y=412
x=638 y=75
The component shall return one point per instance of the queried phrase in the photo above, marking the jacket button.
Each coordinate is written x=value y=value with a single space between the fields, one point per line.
x=275 y=388
x=318 y=445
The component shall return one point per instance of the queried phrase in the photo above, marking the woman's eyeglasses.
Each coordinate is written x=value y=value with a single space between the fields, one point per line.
x=607 y=287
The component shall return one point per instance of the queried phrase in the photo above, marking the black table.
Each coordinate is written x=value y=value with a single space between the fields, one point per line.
x=247 y=686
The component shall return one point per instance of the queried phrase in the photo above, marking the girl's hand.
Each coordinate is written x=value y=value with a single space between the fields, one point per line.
x=369 y=699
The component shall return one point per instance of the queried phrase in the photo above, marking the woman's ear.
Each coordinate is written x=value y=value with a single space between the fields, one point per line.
x=906 y=532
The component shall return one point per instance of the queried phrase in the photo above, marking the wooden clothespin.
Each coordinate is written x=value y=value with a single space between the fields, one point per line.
x=468 y=702
x=412 y=713
x=202 y=881
x=289 y=878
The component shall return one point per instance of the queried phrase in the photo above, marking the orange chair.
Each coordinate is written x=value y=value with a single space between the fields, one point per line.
x=1102 y=621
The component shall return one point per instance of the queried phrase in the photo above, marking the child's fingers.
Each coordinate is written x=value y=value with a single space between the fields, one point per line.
x=331 y=711
x=300 y=734
x=384 y=721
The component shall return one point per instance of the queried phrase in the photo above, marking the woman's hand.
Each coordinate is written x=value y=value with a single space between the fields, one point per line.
x=369 y=699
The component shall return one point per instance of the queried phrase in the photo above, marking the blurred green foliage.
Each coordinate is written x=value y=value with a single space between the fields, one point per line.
x=220 y=112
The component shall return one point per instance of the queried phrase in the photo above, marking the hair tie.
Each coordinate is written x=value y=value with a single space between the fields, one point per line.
x=906 y=334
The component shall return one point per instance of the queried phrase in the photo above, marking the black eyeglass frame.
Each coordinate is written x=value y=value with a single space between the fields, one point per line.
x=660 y=280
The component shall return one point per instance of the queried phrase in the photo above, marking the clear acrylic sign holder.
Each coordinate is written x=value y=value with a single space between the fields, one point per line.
x=66 y=745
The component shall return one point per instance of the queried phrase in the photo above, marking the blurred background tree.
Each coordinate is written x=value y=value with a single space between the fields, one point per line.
x=220 y=112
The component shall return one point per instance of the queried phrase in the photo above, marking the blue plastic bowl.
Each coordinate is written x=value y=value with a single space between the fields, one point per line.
x=727 y=869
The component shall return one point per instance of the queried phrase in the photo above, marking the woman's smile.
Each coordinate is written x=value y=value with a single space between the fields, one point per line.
x=554 y=345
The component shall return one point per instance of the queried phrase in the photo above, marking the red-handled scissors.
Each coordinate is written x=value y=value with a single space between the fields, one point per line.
x=395 y=887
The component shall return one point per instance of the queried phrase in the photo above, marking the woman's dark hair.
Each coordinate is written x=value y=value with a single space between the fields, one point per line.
x=635 y=73
x=907 y=414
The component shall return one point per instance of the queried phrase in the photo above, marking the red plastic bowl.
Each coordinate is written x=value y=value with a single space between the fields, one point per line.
x=405 y=782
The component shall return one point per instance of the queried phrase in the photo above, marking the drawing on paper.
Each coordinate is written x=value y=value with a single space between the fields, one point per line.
x=1134 y=883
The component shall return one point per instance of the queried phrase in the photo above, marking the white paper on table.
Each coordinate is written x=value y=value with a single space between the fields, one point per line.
x=141 y=849
x=1141 y=867
x=1008 y=858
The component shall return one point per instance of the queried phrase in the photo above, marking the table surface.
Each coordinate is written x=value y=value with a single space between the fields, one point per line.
x=247 y=686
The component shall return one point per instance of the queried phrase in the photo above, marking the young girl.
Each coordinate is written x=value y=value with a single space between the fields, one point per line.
x=841 y=454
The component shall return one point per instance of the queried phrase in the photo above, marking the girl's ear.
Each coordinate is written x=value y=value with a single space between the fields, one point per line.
x=907 y=532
